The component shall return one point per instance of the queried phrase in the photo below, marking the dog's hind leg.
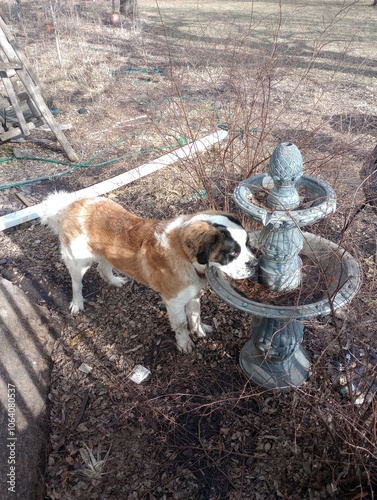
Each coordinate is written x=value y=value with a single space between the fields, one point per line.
x=106 y=271
x=78 y=260
x=193 y=315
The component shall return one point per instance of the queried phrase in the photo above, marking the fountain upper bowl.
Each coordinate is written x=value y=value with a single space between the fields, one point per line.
x=321 y=198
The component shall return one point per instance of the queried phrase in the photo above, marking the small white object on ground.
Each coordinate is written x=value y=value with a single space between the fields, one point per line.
x=140 y=374
x=85 y=368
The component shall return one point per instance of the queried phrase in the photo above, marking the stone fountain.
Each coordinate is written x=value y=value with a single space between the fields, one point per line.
x=284 y=201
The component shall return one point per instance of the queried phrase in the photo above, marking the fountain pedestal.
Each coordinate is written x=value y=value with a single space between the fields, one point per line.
x=274 y=357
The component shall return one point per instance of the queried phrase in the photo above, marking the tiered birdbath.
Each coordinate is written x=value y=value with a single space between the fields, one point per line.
x=274 y=357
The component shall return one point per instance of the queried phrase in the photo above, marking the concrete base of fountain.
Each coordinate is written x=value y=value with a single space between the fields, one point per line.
x=278 y=375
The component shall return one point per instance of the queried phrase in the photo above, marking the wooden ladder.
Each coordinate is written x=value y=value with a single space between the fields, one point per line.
x=26 y=109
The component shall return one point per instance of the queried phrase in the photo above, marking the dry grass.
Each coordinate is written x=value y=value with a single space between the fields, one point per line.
x=266 y=71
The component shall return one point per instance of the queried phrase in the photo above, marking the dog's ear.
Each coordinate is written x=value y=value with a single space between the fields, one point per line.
x=207 y=247
x=201 y=240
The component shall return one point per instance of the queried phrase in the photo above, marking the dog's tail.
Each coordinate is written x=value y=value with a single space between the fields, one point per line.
x=53 y=208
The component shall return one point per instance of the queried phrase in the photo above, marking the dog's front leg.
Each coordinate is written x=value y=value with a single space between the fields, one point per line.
x=193 y=315
x=178 y=321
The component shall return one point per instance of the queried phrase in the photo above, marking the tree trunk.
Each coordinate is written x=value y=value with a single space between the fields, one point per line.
x=129 y=7
x=16 y=9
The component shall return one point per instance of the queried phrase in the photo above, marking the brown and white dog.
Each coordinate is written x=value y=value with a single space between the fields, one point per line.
x=168 y=256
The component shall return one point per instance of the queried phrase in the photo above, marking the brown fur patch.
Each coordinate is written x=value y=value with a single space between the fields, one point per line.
x=128 y=242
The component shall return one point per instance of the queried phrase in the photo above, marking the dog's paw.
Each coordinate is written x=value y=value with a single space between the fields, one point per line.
x=207 y=328
x=117 y=281
x=203 y=329
x=75 y=308
x=185 y=345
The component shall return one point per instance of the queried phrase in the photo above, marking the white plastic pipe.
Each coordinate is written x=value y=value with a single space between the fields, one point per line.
x=30 y=213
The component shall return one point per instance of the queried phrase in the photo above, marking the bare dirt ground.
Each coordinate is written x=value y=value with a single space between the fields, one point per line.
x=197 y=429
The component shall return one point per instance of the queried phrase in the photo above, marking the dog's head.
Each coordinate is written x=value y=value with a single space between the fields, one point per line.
x=220 y=240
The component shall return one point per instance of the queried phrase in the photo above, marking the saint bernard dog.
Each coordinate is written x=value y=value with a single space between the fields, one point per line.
x=169 y=256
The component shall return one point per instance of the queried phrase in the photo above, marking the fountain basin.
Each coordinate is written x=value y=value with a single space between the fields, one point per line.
x=342 y=279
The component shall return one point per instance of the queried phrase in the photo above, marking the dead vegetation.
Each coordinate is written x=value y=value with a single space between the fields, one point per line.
x=265 y=72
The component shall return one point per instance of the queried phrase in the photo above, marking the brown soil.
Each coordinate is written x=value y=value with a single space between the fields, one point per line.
x=311 y=289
